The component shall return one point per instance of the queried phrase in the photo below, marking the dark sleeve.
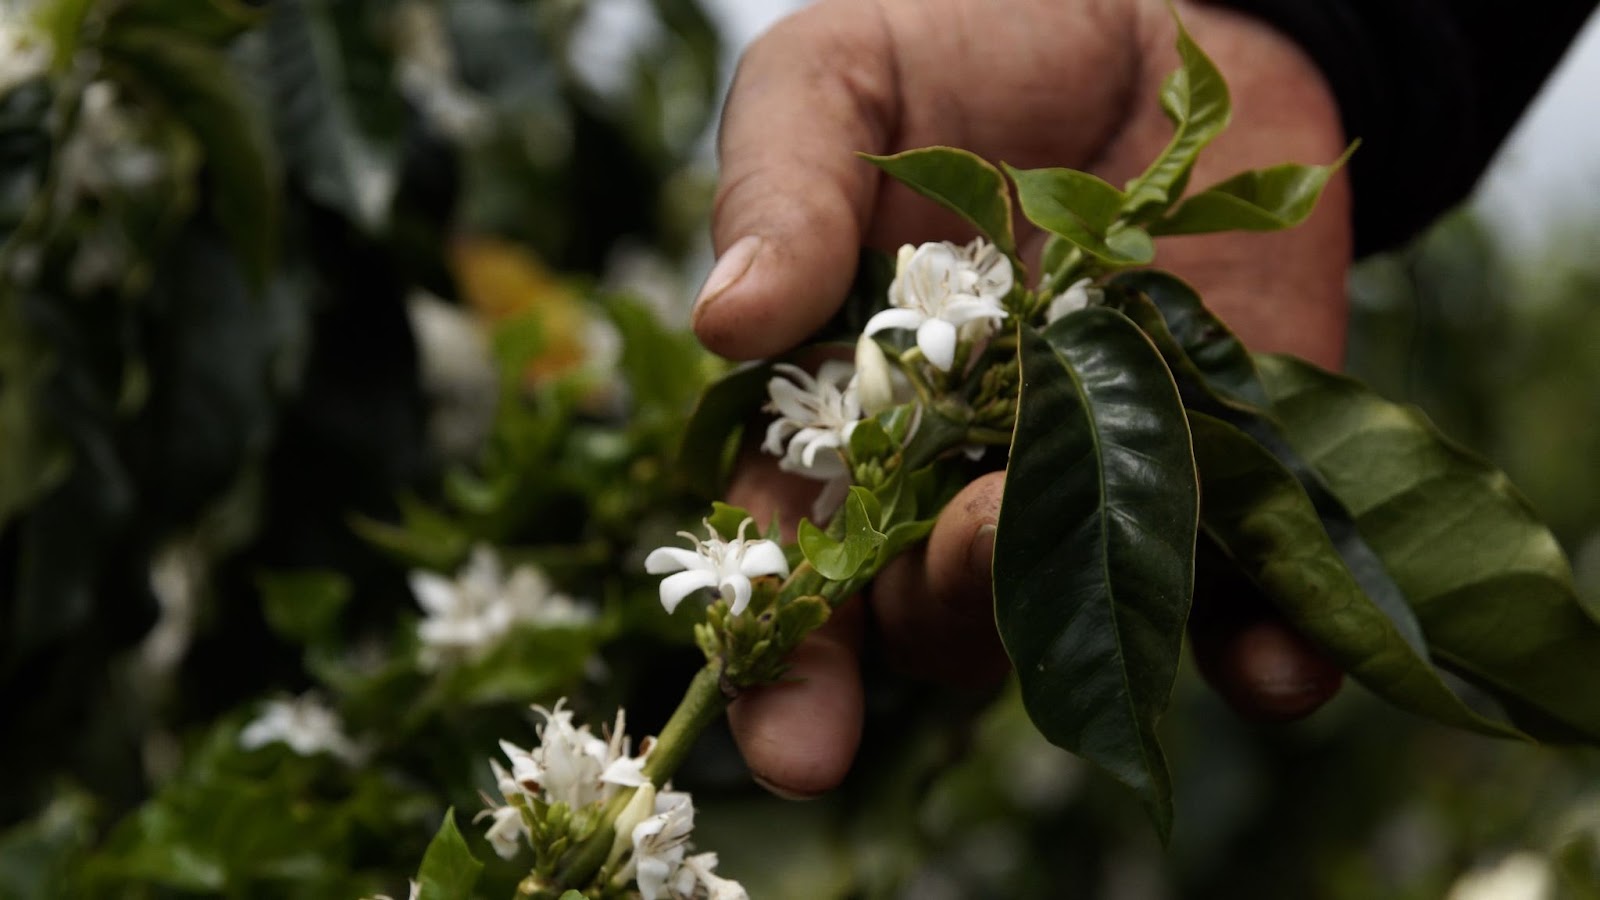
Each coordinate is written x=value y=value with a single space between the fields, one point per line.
x=1431 y=87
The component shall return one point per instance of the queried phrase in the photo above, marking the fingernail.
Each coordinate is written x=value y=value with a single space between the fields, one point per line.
x=781 y=792
x=730 y=267
x=980 y=554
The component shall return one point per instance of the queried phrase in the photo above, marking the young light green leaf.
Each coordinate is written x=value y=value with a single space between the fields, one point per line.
x=714 y=426
x=726 y=518
x=1255 y=509
x=1269 y=199
x=1094 y=557
x=1082 y=210
x=449 y=869
x=1488 y=581
x=1195 y=98
x=842 y=558
x=960 y=181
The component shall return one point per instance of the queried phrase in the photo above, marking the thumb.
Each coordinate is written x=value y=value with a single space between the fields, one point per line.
x=793 y=200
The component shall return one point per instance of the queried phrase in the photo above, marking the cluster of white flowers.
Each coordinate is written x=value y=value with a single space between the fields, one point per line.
x=469 y=616
x=815 y=417
x=725 y=566
x=305 y=724
x=575 y=767
x=656 y=827
x=946 y=292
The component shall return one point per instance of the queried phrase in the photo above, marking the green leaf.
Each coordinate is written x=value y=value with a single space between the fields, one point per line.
x=869 y=440
x=572 y=895
x=1256 y=510
x=1216 y=375
x=212 y=21
x=336 y=115
x=843 y=558
x=960 y=181
x=303 y=606
x=1487 y=579
x=726 y=518
x=713 y=429
x=449 y=869
x=1094 y=557
x=1082 y=210
x=662 y=365
x=1195 y=98
x=1269 y=199
x=197 y=84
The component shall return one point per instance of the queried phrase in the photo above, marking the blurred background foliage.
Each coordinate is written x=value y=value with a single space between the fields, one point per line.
x=302 y=296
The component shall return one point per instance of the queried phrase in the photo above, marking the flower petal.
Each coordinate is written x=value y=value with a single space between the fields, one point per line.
x=736 y=589
x=673 y=559
x=937 y=339
x=436 y=595
x=894 y=318
x=676 y=587
x=763 y=558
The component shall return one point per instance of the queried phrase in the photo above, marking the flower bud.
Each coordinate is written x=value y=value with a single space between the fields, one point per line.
x=874 y=377
x=641 y=806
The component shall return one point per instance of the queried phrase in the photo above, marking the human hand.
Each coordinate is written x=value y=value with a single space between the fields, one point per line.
x=1033 y=83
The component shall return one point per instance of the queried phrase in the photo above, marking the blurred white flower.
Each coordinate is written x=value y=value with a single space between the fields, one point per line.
x=1520 y=876
x=1075 y=297
x=305 y=724
x=106 y=153
x=425 y=74
x=470 y=615
x=506 y=829
x=457 y=375
x=944 y=292
x=699 y=869
x=25 y=49
x=726 y=566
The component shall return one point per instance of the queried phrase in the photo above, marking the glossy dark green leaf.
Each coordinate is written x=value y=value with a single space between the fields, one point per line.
x=199 y=87
x=961 y=182
x=1270 y=199
x=1258 y=513
x=842 y=557
x=1094 y=557
x=1080 y=209
x=714 y=426
x=449 y=869
x=1488 y=581
x=1216 y=375
x=1195 y=98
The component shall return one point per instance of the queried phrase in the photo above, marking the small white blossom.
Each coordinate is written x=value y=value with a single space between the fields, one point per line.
x=470 y=615
x=1075 y=297
x=814 y=415
x=107 y=153
x=425 y=72
x=660 y=842
x=726 y=566
x=700 y=869
x=305 y=724
x=946 y=291
x=506 y=831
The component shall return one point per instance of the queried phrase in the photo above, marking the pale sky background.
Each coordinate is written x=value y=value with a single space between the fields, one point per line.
x=1546 y=178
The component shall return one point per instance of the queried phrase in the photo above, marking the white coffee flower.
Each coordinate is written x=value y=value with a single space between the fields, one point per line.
x=1075 y=297
x=572 y=765
x=697 y=871
x=945 y=291
x=1520 y=876
x=660 y=842
x=107 y=152
x=470 y=615
x=506 y=831
x=305 y=724
x=815 y=418
x=726 y=566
